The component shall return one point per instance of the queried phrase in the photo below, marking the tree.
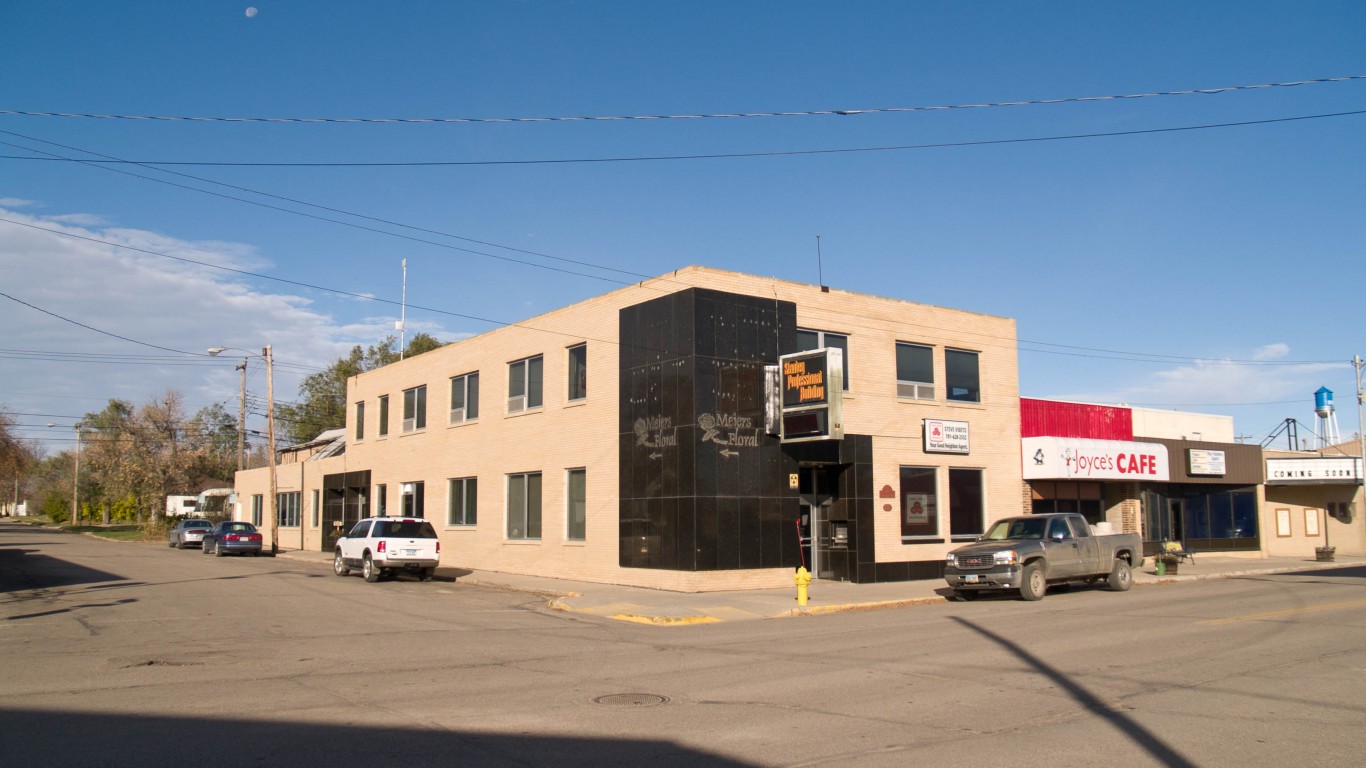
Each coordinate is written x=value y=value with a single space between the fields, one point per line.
x=322 y=395
x=141 y=455
x=16 y=457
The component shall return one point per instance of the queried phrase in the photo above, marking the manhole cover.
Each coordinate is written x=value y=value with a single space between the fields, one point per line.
x=631 y=699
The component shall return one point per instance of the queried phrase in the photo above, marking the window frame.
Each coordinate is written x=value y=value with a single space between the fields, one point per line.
x=468 y=496
x=413 y=504
x=530 y=381
x=288 y=509
x=525 y=513
x=360 y=420
x=577 y=375
x=928 y=531
x=913 y=389
x=974 y=390
x=576 y=520
x=467 y=384
x=415 y=403
x=383 y=415
x=822 y=342
x=959 y=497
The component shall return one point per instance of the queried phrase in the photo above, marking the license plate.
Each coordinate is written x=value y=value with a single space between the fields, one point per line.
x=971 y=578
x=410 y=552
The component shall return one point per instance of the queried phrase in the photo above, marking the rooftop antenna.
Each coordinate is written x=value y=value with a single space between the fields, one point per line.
x=820 y=269
x=402 y=313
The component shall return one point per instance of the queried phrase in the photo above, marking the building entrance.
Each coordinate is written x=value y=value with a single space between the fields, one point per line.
x=819 y=535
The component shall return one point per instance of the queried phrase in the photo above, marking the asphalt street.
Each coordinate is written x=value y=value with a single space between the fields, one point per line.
x=135 y=654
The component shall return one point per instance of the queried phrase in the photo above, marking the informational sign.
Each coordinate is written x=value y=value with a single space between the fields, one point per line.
x=943 y=436
x=1203 y=462
x=1069 y=458
x=805 y=380
x=917 y=507
x=1346 y=469
x=811 y=387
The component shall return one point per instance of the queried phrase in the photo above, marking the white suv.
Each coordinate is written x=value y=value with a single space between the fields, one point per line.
x=384 y=545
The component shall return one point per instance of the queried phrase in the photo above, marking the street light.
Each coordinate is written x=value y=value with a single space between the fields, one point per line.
x=270 y=432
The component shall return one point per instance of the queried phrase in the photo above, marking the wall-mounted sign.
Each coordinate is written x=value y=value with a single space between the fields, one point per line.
x=942 y=436
x=811 y=392
x=1203 y=462
x=1069 y=458
x=1309 y=471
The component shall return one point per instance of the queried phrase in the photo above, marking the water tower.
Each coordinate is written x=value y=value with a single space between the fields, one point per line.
x=1328 y=418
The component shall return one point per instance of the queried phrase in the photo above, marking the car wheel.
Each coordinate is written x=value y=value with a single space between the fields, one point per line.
x=170 y=543
x=966 y=595
x=1033 y=584
x=217 y=550
x=1121 y=576
x=426 y=574
x=204 y=548
x=339 y=565
x=368 y=571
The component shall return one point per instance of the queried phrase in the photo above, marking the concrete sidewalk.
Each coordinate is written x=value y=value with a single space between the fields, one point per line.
x=660 y=607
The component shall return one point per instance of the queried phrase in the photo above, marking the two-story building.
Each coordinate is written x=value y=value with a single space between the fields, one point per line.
x=632 y=438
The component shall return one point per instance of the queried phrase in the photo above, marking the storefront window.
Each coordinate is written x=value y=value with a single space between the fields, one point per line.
x=1245 y=515
x=965 y=503
x=1213 y=517
x=1196 y=524
x=919 y=503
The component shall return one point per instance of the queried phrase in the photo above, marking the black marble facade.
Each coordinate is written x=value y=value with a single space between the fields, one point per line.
x=703 y=486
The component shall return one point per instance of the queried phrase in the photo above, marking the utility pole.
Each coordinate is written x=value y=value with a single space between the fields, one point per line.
x=76 y=481
x=1358 y=363
x=241 y=416
x=270 y=437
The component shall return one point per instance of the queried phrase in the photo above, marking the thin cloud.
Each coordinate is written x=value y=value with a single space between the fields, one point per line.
x=140 y=296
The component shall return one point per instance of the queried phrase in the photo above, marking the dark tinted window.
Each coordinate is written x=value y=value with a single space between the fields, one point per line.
x=406 y=529
x=239 y=527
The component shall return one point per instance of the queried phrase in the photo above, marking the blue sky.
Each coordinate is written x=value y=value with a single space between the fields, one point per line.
x=1213 y=270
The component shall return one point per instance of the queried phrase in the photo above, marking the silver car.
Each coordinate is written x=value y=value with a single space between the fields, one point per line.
x=188 y=533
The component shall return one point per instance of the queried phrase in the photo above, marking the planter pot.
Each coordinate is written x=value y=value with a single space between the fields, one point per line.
x=1167 y=566
x=1325 y=554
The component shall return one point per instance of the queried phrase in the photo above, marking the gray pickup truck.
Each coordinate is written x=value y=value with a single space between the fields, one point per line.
x=1028 y=553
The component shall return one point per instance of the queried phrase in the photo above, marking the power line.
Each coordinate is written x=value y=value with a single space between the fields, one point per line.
x=699 y=116
x=111 y=160
x=702 y=156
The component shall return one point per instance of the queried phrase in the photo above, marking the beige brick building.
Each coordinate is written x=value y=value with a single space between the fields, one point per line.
x=624 y=440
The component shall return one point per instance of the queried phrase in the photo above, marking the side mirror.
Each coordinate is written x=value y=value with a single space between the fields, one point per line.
x=1058 y=536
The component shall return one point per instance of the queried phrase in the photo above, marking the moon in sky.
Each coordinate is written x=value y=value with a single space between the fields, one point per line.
x=251 y=11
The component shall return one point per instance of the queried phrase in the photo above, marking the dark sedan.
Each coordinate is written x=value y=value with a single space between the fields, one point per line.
x=231 y=537
x=187 y=533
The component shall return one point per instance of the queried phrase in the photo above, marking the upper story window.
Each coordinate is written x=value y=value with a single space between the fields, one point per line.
x=578 y=372
x=465 y=398
x=914 y=371
x=383 y=415
x=525 y=382
x=961 y=379
x=415 y=408
x=809 y=340
x=360 y=420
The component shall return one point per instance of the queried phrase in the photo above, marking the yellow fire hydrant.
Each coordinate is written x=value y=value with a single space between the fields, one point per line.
x=803 y=578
